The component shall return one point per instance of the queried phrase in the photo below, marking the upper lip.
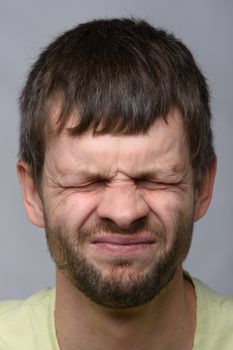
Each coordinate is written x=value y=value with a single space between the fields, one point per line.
x=123 y=239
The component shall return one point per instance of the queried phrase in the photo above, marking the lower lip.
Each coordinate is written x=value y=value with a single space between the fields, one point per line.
x=123 y=249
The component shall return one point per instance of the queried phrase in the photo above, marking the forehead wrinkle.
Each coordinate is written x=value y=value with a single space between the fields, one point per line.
x=149 y=165
x=157 y=157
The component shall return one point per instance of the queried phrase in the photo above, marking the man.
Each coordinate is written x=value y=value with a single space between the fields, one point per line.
x=116 y=162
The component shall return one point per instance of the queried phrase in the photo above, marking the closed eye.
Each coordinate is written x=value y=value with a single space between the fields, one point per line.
x=86 y=187
x=156 y=185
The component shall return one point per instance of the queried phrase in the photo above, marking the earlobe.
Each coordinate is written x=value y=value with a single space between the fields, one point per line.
x=32 y=201
x=204 y=190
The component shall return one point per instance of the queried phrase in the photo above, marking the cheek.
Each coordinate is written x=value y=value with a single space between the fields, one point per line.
x=169 y=207
x=71 y=210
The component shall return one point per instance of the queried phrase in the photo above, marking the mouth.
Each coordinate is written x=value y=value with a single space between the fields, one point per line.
x=123 y=243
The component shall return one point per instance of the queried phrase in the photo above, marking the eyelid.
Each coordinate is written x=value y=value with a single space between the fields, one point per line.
x=153 y=180
x=80 y=181
x=87 y=186
x=158 y=183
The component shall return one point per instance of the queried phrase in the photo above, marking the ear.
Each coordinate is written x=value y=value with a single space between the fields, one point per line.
x=204 y=190
x=32 y=201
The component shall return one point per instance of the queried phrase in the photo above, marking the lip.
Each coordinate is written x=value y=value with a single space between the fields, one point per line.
x=123 y=239
x=123 y=245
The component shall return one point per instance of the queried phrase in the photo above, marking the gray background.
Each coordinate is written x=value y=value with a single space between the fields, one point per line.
x=26 y=27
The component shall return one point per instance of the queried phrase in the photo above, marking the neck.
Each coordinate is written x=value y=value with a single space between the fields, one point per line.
x=167 y=322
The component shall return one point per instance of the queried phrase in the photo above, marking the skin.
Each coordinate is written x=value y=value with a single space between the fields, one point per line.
x=125 y=194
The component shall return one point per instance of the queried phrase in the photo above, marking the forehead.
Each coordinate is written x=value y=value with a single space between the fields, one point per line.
x=164 y=146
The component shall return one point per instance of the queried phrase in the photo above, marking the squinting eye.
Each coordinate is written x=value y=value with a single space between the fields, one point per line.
x=152 y=185
x=92 y=186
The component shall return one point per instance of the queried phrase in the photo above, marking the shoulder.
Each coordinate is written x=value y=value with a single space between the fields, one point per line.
x=214 y=318
x=23 y=321
x=16 y=307
x=216 y=303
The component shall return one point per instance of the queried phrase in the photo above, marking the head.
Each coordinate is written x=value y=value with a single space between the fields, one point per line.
x=116 y=151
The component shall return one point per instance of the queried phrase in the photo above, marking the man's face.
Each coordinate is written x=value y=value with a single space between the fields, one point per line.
x=119 y=210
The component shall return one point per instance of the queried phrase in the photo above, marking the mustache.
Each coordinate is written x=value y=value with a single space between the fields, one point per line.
x=108 y=226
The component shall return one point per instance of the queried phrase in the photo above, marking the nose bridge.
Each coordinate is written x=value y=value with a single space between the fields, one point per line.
x=122 y=203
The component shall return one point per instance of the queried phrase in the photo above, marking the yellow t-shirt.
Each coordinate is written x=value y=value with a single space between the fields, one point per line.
x=29 y=324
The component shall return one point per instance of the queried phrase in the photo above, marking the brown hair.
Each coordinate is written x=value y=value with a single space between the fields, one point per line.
x=120 y=75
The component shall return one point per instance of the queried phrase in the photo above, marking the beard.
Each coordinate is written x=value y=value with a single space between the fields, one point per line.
x=124 y=286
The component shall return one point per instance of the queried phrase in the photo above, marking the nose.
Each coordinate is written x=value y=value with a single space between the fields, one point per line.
x=122 y=205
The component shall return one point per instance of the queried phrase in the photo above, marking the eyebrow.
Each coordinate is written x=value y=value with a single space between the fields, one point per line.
x=170 y=170
x=158 y=173
x=150 y=174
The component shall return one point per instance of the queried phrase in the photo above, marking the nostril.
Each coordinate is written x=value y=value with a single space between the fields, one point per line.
x=138 y=225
